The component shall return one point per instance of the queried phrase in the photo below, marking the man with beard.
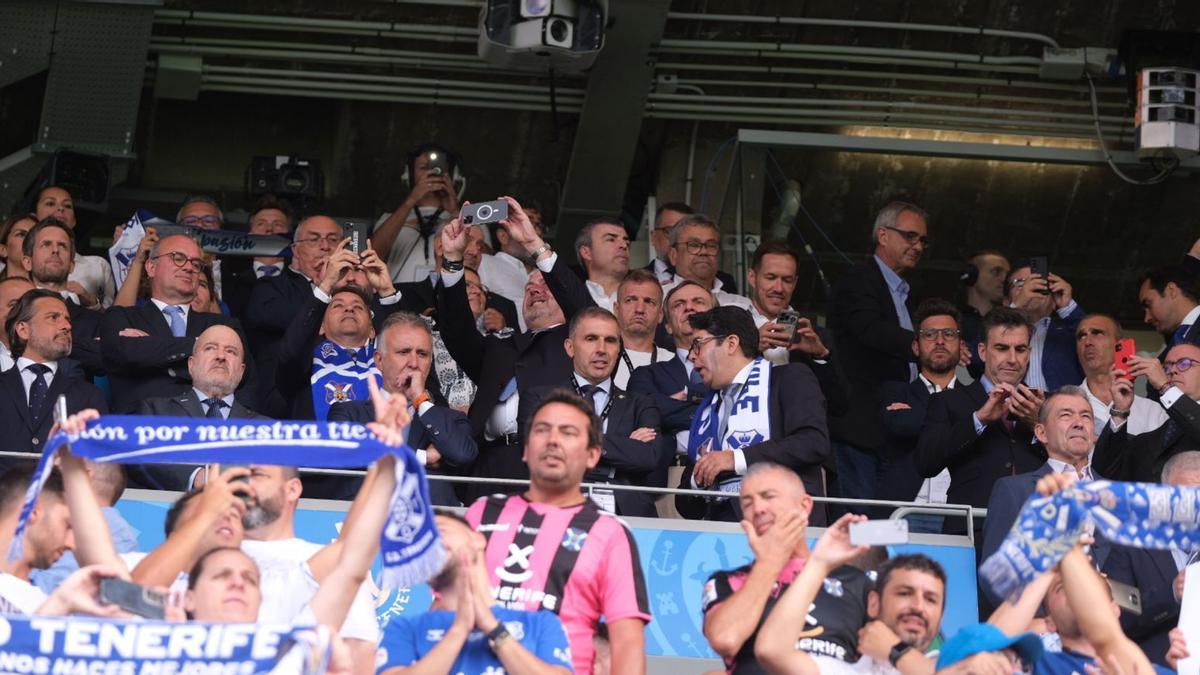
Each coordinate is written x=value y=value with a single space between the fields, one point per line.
x=984 y=431
x=736 y=602
x=146 y=348
x=633 y=452
x=39 y=330
x=905 y=611
x=1095 y=342
x=48 y=256
x=936 y=343
x=216 y=367
x=587 y=561
x=1064 y=429
x=503 y=364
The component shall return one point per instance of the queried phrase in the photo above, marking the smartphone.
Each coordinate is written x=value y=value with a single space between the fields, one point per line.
x=879 y=532
x=60 y=410
x=135 y=599
x=1124 y=349
x=358 y=234
x=1039 y=266
x=1127 y=597
x=487 y=212
x=788 y=318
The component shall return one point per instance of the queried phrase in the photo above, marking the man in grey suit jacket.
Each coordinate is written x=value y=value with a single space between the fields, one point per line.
x=216 y=367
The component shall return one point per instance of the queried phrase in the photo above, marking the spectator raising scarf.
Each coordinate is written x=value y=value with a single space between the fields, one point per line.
x=1144 y=515
x=411 y=548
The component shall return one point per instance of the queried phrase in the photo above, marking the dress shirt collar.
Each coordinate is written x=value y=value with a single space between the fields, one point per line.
x=739 y=379
x=893 y=280
x=605 y=386
x=162 y=308
x=22 y=363
x=1192 y=317
x=202 y=397
x=1059 y=466
x=932 y=388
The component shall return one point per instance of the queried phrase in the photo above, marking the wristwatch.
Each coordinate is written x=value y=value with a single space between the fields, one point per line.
x=537 y=253
x=497 y=636
x=898 y=652
x=1113 y=412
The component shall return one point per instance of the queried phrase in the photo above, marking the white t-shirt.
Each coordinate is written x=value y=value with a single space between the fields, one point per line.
x=864 y=666
x=18 y=596
x=288 y=586
x=638 y=359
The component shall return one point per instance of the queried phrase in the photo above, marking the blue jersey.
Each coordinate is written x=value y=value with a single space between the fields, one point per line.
x=407 y=639
x=1068 y=662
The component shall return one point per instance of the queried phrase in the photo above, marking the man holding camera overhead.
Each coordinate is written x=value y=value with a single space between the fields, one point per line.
x=406 y=234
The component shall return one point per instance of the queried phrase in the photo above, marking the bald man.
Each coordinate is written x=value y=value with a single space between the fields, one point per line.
x=146 y=348
x=776 y=509
x=1125 y=457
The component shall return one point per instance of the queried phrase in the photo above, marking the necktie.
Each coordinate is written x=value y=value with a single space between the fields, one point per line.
x=694 y=379
x=214 y=408
x=589 y=393
x=267 y=271
x=510 y=388
x=38 y=389
x=178 y=323
x=1179 y=334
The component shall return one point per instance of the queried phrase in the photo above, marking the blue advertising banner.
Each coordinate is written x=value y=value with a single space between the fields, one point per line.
x=676 y=563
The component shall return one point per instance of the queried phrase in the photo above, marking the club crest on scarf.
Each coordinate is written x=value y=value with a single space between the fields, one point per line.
x=340 y=374
x=749 y=420
x=408 y=511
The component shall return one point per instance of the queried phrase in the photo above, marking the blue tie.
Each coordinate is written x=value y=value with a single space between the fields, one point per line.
x=178 y=323
x=694 y=379
x=1180 y=334
x=38 y=389
x=509 y=389
x=214 y=408
x=588 y=391
x=267 y=271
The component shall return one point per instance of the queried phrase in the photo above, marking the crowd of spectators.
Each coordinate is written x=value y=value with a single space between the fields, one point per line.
x=498 y=357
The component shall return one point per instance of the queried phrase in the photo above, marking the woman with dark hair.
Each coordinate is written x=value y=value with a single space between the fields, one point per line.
x=12 y=235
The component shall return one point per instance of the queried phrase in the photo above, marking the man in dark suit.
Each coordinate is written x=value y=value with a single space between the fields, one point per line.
x=937 y=346
x=632 y=451
x=1170 y=299
x=48 y=257
x=665 y=219
x=1064 y=429
x=440 y=436
x=39 y=330
x=1055 y=315
x=216 y=366
x=984 y=431
x=1157 y=574
x=736 y=427
x=269 y=215
x=502 y=364
x=146 y=347
x=1141 y=457
x=873 y=333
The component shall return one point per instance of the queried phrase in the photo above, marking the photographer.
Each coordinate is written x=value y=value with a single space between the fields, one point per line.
x=406 y=234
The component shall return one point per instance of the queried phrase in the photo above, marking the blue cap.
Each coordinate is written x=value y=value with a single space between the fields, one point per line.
x=984 y=637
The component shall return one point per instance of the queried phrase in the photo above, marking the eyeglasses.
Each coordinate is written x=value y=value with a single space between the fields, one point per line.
x=909 y=236
x=331 y=239
x=933 y=333
x=699 y=342
x=180 y=260
x=195 y=221
x=1180 y=366
x=695 y=247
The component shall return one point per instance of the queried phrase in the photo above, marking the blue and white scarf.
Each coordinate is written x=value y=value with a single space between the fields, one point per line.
x=410 y=545
x=749 y=419
x=340 y=374
x=1144 y=515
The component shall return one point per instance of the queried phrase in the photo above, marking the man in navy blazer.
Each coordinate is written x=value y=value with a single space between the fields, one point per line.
x=39 y=330
x=1157 y=574
x=146 y=347
x=1065 y=429
x=1055 y=315
x=440 y=436
x=873 y=334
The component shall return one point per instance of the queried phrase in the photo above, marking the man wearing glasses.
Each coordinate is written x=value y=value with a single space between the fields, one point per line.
x=873 y=331
x=146 y=347
x=1055 y=315
x=695 y=245
x=1124 y=457
x=665 y=220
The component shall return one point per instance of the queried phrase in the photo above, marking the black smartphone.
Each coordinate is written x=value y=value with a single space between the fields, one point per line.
x=1039 y=266
x=358 y=234
x=135 y=599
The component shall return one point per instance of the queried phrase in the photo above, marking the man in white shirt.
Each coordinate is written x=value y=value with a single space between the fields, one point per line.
x=1171 y=301
x=1095 y=341
x=1055 y=315
x=404 y=237
x=695 y=245
x=603 y=249
x=11 y=290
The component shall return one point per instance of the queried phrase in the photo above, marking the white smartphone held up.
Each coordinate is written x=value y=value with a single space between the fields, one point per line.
x=879 y=532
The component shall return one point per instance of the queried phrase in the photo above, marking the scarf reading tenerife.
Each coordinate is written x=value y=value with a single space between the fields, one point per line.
x=1143 y=515
x=411 y=548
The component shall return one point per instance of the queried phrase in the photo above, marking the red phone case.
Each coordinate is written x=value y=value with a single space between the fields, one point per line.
x=1124 y=348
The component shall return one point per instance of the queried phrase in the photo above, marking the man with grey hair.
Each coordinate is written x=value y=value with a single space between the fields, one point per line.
x=695 y=251
x=871 y=325
x=1064 y=429
x=440 y=435
x=1157 y=574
